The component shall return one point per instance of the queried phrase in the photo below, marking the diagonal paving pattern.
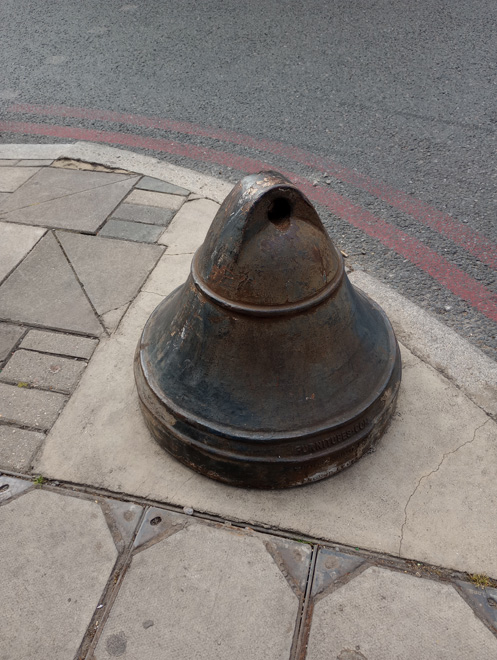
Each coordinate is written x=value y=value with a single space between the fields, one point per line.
x=43 y=290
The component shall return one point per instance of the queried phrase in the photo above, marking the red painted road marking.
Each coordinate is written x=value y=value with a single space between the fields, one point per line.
x=449 y=275
x=459 y=233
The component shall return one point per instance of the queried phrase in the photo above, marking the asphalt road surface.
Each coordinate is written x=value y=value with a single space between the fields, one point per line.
x=384 y=112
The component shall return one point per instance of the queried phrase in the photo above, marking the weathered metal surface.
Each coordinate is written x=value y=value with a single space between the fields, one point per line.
x=267 y=368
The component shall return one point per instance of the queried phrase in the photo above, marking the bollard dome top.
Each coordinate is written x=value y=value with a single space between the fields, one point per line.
x=267 y=250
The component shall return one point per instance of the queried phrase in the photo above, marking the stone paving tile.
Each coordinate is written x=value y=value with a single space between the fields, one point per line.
x=17 y=447
x=202 y=593
x=156 y=185
x=11 y=178
x=163 y=201
x=8 y=162
x=9 y=336
x=189 y=227
x=147 y=214
x=84 y=211
x=49 y=372
x=35 y=163
x=26 y=407
x=3 y=198
x=384 y=614
x=111 y=271
x=57 y=554
x=43 y=290
x=131 y=231
x=52 y=183
x=59 y=344
x=15 y=242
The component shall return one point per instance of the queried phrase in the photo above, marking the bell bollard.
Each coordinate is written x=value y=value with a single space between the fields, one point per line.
x=267 y=368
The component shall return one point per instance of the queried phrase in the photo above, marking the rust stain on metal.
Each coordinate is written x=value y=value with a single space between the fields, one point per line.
x=267 y=368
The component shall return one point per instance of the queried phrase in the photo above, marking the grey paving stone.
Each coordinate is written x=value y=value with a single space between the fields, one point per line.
x=53 y=182
x=17 y=447
x=131 y=231
x=11 y=178
x=15 y=242
x=57 y=554
x=43 y=290
x=3 y=198
x=147 y=214
x=84 y=211
x=8 y=162
x=383 y=614
x=59 y=344
x=111 y=271
x=202 y=593
x=9 y=336
x=35 y=163
x=161 y=200
x=50 y=372
x=27 y=407
x=156 y=185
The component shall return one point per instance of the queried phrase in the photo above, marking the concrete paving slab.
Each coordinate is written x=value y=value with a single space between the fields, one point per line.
x=161 y=200
x=131 y=231
x=189 y=227
x=453 y=507
x=57 y=554
x=3 y=198
x=26 y=407
x=8 y=162
x=147 y=214
x=40 y=162
x=84 y=211
x=15 y=242
x=17 y=447
x=59 y=344
x=49 y=372
x=111 y=271
x=43 y=290
x=53 y=183
x=202 y=592
x=383 y=614
x=156 y=185
x=171 y=271
x=9 y=336
x=26 y=150
x=11 y=178
x=101 y=439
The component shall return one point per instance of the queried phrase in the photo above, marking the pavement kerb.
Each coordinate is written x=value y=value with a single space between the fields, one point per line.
x=429 y=339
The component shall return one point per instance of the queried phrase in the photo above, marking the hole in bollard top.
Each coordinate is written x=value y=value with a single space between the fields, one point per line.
x=4 y=487
x=279 y=211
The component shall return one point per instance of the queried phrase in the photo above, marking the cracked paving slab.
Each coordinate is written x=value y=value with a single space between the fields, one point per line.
x=453 y=507
x=101 y=439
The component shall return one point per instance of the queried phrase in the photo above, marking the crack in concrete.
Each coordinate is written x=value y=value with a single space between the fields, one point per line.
x=425 y=476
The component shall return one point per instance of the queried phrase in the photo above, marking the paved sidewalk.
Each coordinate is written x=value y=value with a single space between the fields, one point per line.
x=110 y=548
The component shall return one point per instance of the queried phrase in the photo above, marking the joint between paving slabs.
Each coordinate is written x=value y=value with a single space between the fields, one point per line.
x=110 y=592
x=426 y=476
x=106 y=333
x=304 y=617
x=121 y=201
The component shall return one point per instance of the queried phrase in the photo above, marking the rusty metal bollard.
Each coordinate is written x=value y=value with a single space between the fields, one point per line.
x=267 y=368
